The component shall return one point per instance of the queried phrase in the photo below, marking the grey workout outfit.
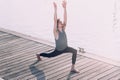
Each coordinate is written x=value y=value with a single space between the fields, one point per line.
x=62 y=47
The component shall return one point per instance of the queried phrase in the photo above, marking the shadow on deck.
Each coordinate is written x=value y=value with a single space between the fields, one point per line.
x=18 y=62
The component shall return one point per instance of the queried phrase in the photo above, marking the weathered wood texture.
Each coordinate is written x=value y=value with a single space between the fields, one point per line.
x=18 y=62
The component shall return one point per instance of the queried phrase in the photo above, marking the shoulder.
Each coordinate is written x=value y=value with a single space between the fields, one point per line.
x=56 y=35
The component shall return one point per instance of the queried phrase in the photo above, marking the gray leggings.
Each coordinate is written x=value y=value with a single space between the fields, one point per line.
x=56 y=53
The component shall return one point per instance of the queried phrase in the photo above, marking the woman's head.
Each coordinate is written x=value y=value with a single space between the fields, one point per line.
x=59 y=24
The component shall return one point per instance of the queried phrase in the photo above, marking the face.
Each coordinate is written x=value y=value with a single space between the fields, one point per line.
x=60 y=25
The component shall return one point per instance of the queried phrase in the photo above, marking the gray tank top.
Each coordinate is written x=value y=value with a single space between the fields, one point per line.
x=61 y=42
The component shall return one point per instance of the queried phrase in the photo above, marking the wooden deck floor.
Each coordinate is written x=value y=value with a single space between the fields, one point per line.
x=18 y=62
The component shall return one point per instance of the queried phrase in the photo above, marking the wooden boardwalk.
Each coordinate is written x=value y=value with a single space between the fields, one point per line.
x=18 y=62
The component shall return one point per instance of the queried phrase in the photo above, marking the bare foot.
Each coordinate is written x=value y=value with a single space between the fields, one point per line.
x=74 y=71
x=38 y=57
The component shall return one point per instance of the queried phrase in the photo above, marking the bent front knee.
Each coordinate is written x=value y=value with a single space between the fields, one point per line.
x=75 y=52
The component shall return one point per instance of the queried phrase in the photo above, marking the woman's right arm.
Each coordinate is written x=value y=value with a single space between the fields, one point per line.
x=55 y=20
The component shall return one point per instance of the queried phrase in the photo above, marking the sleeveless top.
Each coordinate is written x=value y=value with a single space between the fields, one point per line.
x=61 y=42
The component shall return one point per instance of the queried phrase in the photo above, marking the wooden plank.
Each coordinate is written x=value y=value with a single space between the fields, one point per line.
x=88 y=70
x=2 y=55
x=66 y=69
x=3 y=41
x=45 y=66
x=10 y=42
x=16 y=66
x=97 y=72
x=22 y=64
x=25 y=53
x=16 y=42
x=21 y=53
x=20 y=50
x=9 y=54
x=104 y=74
x=18 y=47
x=13 y=45
x=25 y=71
x=19 y=67
x=3 y=35
x=116 y=77
x=14 y=54
x=1 y=52
x=106 y=77
x=72 y=76
x=21 y=57
x=18 y=53
x=14 y=61
x=80 y=64
x=51 y=70
x=1 y=32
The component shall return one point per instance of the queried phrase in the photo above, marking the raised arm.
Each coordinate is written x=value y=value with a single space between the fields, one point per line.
x=55 y=19
x=65 y=13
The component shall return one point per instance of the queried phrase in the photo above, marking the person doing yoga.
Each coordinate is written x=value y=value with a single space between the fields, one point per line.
x=61 y=39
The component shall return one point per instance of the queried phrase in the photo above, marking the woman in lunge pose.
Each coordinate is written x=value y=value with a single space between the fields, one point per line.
x=61 y=39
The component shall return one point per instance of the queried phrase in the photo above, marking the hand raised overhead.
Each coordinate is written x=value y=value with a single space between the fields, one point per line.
x=64 y=3
x=55 y=5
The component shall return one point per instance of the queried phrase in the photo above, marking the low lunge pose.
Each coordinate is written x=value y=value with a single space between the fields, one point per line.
x=61 y=39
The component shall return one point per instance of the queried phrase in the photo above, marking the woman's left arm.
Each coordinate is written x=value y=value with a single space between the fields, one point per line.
x=65 y=13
